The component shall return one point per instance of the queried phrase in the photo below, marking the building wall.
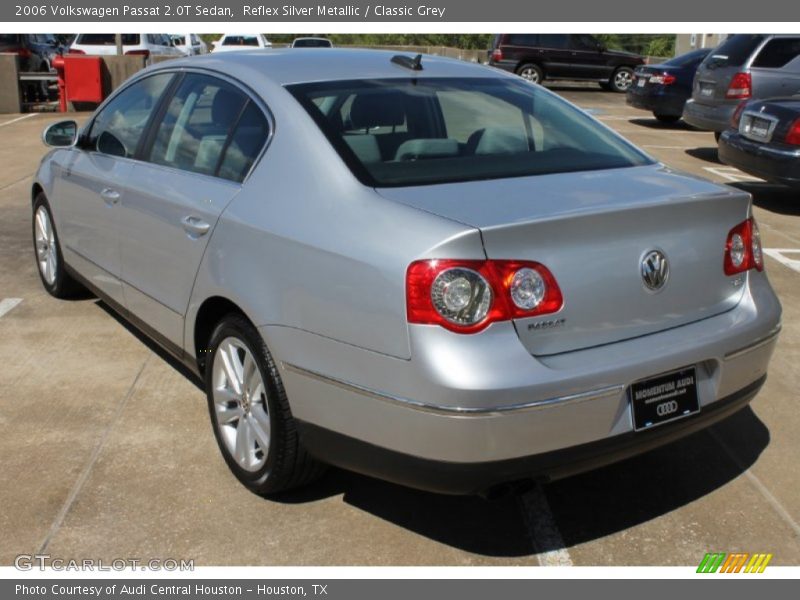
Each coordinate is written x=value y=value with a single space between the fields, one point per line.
x=684 y=42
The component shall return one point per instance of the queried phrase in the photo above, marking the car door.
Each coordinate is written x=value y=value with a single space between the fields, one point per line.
x=588 y=61
x=203 y=144
x=557 y=56
x=95 y=178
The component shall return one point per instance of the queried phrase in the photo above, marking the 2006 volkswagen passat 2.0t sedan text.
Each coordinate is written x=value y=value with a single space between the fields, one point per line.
x=415 y=268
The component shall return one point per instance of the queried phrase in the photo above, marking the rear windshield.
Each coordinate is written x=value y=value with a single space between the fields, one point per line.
x=734 y=51
x=240 y=40
x=401 y=132
x=689 y=59
x=311 y=43
x=107 y=39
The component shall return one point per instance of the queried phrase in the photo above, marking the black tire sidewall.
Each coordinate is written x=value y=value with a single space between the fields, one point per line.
x=264 y=479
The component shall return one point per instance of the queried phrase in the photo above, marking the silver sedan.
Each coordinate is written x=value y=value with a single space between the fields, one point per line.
x=413 y=267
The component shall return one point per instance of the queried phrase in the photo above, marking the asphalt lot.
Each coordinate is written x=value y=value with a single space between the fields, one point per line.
x=106 y=450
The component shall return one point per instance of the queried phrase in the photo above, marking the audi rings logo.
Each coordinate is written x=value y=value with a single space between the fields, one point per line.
x=666 y=408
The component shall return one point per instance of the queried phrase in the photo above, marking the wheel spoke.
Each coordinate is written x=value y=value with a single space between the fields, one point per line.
x=251 y=376
x=244 y=443
x=260 y=430
x=227 y=413
x=228 y=355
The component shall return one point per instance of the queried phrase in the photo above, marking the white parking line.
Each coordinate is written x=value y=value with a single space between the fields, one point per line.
x=779 y=254
x=542 y=528
x=731 y=174
x=6 y=304
x=23 y=117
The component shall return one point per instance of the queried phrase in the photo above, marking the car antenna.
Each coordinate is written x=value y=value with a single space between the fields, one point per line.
x=415 y=64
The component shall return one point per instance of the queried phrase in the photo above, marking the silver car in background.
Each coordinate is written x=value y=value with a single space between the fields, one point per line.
x=744 y=66
x=416 y=268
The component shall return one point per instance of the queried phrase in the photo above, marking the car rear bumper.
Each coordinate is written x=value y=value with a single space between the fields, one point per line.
x=709 y=117
x=662 y=104
x=774 y=164
x=482 y=408
x=505 y=65
x=472 y=478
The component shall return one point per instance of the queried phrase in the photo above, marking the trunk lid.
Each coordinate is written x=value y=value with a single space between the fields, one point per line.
x=592 y=230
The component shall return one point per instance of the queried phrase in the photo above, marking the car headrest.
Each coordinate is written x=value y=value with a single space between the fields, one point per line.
x=379 y=109
x=225 y=107
x=500 y=140
x=421 y=149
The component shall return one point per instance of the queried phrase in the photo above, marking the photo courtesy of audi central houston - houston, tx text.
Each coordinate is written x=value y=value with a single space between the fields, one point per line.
x=315 y=290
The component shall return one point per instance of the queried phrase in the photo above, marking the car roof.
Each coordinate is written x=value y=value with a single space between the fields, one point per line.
x=284 y=66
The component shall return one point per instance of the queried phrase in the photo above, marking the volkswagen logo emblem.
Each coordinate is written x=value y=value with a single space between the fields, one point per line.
x=655 y=270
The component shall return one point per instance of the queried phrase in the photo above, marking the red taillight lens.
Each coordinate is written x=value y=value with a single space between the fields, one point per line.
x=737 y=115
x=740 y=87
x=23 y=53
x=145 y=53
x=663 y=79
x=793 y=137
x=497 y=54
x=743 y=248
x=75 y=51
x=466 y=296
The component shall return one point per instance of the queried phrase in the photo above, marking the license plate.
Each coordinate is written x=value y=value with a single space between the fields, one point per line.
x=664 y=398
x=706 y=90
x=759 y=128
x=641 y=82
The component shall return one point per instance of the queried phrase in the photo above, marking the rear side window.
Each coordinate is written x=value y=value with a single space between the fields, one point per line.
x=557 y=41
x=195 y=128
x=209 y=127
x=403 y=132
x=118 y=128
x=522 y=39
x=778 y=52
x=107 y=39
x=734 y=51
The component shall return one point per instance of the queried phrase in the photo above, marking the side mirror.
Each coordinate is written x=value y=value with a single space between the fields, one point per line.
x=61 y=134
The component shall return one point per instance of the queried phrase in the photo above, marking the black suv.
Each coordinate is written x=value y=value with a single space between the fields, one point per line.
x=577 y=57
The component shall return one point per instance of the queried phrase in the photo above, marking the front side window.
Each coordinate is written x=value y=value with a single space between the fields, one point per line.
x=397 y=132
x=119 y=126
x=240 y=40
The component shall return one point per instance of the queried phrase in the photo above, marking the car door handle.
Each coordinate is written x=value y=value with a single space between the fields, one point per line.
x=195 y=225
x=110 y=196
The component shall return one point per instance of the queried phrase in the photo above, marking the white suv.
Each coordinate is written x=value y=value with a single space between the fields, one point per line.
x=144 y=44
x=241 y=41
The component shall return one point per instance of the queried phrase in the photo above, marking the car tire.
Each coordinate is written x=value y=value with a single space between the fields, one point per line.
x=667 y=118
x=621 y=80
x=47 y=250
x=250 y=413
x=531 y=72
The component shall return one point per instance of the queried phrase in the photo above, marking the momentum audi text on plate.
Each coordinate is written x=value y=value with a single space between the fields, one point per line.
x=416 y=268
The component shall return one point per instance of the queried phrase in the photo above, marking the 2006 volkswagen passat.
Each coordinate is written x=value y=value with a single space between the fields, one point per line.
x=419 y=269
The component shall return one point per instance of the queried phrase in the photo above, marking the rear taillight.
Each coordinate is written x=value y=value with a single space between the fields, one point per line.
x=145 y=53
x=75 y=51
x=793 y=137
x=497 y=54
x=662 y=79
x=23 y=53
x=466 y=296
x=743 y=248
x=741 y=87
x=737 y=115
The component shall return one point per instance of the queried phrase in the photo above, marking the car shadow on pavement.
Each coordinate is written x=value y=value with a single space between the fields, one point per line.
x=585 y=507
x=656 y=124
x=776 y=199
x=709 y=155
